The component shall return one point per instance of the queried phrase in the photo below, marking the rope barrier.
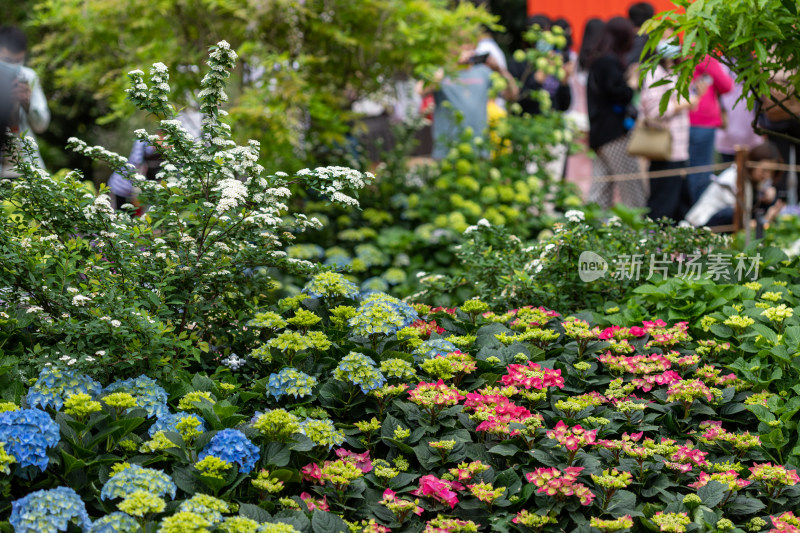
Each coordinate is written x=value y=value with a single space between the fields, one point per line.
x=660 y=173
x=688 y=170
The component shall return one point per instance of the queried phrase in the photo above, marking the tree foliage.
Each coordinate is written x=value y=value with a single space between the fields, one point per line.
x=756 y=39
x=303 y=61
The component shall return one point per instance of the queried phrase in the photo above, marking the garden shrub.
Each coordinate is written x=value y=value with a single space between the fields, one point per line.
x=115 y=294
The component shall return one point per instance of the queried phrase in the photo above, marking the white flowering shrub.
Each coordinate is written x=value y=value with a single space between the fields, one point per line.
x=113 y=292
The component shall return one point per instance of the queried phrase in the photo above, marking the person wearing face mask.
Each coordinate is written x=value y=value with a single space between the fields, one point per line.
x=28 y=112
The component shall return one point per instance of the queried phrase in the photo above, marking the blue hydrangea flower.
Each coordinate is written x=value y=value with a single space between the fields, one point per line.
x=49 y=510
x=169 y=422
x=233 y=446
x=27 y=433
x=359 y=370
x=148 y=393
x=329 y=284
x=375 y=285
x=135 y=477
x=115 y=523
x=382 y=314
x=433 y=347
x=292 y=382
x=55 y=385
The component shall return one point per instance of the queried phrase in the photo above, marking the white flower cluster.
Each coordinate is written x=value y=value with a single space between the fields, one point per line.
x=221 y=61
x=575 y=216
x=114 y=160
x=100 y=206
x=233 y=193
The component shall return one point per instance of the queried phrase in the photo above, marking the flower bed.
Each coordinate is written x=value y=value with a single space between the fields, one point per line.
x=408 y=418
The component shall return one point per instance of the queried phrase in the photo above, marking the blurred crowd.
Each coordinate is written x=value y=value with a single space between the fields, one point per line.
x=596 y=81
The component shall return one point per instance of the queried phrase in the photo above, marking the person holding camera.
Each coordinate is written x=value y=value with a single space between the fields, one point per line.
x=24 y=104
x=461 y=100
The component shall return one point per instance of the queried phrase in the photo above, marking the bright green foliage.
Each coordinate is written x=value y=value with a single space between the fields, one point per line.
x=755 y=38
x=312 y=57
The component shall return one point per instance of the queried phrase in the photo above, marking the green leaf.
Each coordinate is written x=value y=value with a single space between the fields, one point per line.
x=71 y=463
x=323 y=522
x=622 y=503
x=506 y=450
x=744 y=506
x=254 y=512
x=277 y=454
x=712 y=493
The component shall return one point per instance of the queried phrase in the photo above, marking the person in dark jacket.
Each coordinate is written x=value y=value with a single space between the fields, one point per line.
x=609 y=92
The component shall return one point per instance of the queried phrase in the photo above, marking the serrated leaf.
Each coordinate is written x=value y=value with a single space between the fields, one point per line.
x=712 y=493
x=323 y=522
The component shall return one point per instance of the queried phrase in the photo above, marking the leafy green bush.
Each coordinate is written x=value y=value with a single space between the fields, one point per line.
x=351 y=414
x=115 y=294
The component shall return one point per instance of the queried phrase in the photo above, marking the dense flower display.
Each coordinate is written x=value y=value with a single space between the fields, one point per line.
x=232 y=446
x=27 y=434
x=55 y=385
x=49 y=510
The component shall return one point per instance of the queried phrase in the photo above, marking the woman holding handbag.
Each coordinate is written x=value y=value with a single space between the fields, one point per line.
x=668 y=195
x=608 y=94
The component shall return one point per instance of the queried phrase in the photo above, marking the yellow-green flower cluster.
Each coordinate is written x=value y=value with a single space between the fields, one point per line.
x=8 y=406
x=295 y=341
x=486 y=492
x=277 y=424
x=397 y=368
x=671 y=522
x=442 y=444
x=753 y=285
x=772 y=296
x=190 y=401
x=617 y=524
x=527 y=518
x=454 y=525
x=383 y=469
x=322 y=433
x=387 y=391
x=189 y=427
x=240 y=524
x=267 y=320
x=536 y=335
x=208 y=507
x=304 y=319
x=368 y=426
x=778 y=314
x=141 y=503
x=157 y=443
x=185 y=522
x=613 y=479
x=212 y=467
x=739 y=322
x=340 y=473
x=473 y=307
x=759 y=398
x=81 y=405
x=341 y=314
x=401 y=433
x=264 y=482
x=6 y=460
x=119 y=400
x=707 y=321
x=462 y=341
x=289 y=503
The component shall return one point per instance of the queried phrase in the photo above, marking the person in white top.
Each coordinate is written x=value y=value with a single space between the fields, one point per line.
x=718 y=202
x=30 y=113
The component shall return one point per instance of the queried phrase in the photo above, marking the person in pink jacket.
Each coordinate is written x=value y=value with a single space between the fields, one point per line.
x=705 y=120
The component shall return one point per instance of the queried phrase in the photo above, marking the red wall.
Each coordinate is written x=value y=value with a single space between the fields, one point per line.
x=579 y=11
